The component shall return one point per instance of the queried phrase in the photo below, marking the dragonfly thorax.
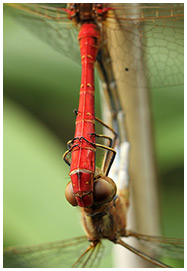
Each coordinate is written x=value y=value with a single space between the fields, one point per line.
x=107 y=220
x=81 y=13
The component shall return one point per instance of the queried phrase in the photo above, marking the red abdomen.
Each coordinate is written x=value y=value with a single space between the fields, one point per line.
x=83 y=150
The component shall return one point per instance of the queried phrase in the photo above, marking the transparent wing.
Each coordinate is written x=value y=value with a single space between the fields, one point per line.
x=54 y=254
x=154 y=32
x=150 y=36
x=50 y=23
x=161 y=246
x=90 y=257
x=75 y=252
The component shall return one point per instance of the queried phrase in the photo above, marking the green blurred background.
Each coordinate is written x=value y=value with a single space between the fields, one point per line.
x=41 y=89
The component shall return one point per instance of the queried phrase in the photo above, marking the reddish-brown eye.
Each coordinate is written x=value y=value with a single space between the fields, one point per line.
x=104 y=189
x=69 y=194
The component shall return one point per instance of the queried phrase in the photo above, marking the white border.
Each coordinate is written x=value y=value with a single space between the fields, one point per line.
x=1 y=101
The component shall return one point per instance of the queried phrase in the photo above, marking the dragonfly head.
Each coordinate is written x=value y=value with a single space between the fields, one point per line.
x=104 y=190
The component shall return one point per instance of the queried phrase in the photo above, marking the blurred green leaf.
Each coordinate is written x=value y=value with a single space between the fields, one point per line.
x=35 y=177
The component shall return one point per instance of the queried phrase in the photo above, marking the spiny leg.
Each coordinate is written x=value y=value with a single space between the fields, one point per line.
x=70 y=147
x=110 y=129
x=108 y=161
x=64 y=157
x=105 y=137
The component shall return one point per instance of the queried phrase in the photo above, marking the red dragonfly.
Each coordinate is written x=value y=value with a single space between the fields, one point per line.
x=83 y=146
x=88 y=17
x=60 y=14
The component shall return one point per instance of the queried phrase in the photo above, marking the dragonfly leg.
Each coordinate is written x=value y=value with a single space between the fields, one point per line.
x=105 y=137
x=75 y=111
x=70 y=142
x=70 y=147
x=108 y=159
x=109 y=128
x=93 y=144
x=107 y=163
x=64 y=157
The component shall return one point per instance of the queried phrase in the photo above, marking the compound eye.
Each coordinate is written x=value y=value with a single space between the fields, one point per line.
x=69 y=194
x=104 y=190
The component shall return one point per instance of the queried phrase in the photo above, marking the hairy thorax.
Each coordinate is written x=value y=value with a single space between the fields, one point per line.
x=106 y=221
